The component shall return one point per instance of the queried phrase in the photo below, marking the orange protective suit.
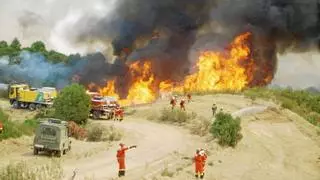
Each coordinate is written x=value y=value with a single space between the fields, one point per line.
x=173 y=103
x=200 y=161
x=121 y=155
x=182 y=102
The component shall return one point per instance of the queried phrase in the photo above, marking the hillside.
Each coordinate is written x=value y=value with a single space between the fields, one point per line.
x=276 y=144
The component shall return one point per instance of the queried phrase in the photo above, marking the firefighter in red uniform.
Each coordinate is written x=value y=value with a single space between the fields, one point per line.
x=182 y=102
x=189 y=97
x=200 y=161
x=121 y=155
x=173 y=102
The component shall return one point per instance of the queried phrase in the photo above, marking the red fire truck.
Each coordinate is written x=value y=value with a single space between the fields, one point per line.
x=102 y=106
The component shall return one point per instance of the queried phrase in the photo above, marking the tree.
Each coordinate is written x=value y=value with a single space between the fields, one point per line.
x=3 y=44
x=72 y=104
x=38 y=46
x=15 y=44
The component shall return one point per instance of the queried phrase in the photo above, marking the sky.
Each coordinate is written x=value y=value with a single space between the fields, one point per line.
x=48 y=20
x=52 y=21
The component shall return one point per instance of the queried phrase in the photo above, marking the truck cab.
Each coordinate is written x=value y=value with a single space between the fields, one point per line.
x=52 y=136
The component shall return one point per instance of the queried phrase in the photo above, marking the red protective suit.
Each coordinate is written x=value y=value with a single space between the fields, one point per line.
x=200 y=161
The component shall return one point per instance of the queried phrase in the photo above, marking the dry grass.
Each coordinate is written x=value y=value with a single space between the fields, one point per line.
x=200 y=126
x=23 y=171
x=98 y=133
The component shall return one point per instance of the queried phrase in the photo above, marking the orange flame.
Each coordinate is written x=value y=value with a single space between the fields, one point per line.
x=217 y=71
x=221 y=71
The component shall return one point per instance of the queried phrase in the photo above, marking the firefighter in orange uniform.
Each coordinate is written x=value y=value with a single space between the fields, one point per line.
x=173 y=102
x=121 y=155
x=121 y=114
x=189 y=97
x=200 y=161
x=182 y=102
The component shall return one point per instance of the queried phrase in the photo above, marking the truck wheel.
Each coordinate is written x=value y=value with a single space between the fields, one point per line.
x=39 y=106
x=59 y=153
x=15 y=104
x=32 y=107
x=35 y=151
x=96 y=115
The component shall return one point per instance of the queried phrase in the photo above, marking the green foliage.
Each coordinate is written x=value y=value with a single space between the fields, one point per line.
x=45 y=113
x=302 y=102
x=15 y=49
x=176 y=115
x=14 y=129
x=38 y=46
x=15 y=44
x=73 y=104
x=3 y=44
x=22 y=171
x=4 y=94
x=226 y=129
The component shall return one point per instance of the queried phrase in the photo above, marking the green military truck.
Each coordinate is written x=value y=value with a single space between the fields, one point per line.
x=52 y=136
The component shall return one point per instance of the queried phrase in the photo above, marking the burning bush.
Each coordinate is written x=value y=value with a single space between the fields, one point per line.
x=226 y=129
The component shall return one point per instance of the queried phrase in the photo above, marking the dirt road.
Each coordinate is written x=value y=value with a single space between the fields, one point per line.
x=156 y=143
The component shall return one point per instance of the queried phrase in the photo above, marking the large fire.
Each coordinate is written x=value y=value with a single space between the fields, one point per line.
x=216 y=71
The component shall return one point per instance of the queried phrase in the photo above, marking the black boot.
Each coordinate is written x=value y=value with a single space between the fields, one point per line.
x=196 y=176
x=201 y=176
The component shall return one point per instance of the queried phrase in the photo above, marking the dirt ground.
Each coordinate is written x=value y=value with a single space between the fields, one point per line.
x=277 y=144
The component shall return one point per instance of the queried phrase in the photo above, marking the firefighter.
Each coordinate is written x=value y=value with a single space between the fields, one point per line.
x=173 y=102
x=189 y=97
x=121 y=114
x=121 y=155
x=182 y=102
x=214 y=109
x=200 y=161
x=118 y=113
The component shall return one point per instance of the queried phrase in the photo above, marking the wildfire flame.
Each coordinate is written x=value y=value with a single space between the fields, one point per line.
x=216 y=71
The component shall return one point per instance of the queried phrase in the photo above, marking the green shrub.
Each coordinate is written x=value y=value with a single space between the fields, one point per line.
x=299 y=101
x=226 y=129
x=22 y=171
x=72 y=104
x=45 y=113
x=176 y=115
x=14 y=129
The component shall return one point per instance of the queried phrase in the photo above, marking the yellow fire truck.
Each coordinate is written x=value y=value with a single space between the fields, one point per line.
x=23 y=96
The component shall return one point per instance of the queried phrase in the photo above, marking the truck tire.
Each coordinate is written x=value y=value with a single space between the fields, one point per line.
x=35 y=151
x=96 y=114
x=39 y=106
x=32 y=107
x=59 y=153
x=15 y=104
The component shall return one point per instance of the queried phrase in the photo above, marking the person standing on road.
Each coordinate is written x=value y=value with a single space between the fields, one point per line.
x=214 y=109
x=121 y=155
x=189 y=97
x=182 y=102
x=200 y=161
x=173 y=102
